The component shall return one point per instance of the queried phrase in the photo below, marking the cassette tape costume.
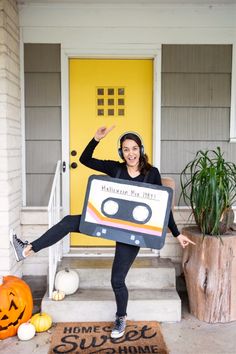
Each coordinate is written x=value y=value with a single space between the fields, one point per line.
x=135 y=167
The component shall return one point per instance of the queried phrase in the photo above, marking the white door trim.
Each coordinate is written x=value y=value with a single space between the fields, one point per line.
x=65 y=56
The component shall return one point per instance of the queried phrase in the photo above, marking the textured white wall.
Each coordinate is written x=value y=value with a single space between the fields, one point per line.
x=10 y=134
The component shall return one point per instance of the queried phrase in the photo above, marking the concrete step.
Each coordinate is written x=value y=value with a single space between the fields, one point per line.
x=99 y=305
x=105 y=252
x=145 y=273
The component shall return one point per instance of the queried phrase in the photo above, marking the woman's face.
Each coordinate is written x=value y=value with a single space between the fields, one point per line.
x=131 y=152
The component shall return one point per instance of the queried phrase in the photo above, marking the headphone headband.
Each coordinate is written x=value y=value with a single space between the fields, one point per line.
x=131 y=132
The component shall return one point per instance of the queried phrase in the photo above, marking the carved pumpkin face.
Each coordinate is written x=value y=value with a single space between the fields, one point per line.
x=16 y=305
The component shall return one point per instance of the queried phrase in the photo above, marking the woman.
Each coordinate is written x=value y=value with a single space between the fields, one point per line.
x=134 y=167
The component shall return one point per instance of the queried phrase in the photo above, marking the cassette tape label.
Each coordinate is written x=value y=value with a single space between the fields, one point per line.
x=126 y=209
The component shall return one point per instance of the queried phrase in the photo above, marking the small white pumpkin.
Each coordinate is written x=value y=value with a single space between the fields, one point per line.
x=26 y=331
x=67 y=280
x=58 y=295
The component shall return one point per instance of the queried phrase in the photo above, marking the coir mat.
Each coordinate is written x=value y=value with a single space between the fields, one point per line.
x=94 y=337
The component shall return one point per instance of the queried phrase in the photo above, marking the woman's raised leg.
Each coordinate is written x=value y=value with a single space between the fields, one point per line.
x=69 y=223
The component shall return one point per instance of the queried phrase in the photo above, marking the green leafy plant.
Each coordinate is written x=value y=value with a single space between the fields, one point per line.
x=208 y=185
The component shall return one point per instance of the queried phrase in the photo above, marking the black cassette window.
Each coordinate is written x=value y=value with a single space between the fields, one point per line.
x=126 y=210
x=110 y=101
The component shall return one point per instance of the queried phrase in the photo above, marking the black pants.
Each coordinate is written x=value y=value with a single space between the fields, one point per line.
x=124 y=256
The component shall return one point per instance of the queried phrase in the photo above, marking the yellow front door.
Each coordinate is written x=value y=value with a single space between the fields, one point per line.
x=105 y=92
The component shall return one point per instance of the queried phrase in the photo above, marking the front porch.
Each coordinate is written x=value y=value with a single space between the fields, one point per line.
x=194 y=52
x=151 y=283
x=188 y=336
x=151 y=280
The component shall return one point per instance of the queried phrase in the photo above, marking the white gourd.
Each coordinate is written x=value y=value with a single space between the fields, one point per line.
x=58 y=295
x=26 y=331
x=67 y=280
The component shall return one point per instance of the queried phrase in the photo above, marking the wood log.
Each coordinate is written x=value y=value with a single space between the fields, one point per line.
x=210 y=274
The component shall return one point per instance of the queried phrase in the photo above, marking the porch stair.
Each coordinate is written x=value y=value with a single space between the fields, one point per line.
x=151 y=283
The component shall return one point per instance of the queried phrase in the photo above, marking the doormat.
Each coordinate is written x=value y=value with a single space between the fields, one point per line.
x=94 y=338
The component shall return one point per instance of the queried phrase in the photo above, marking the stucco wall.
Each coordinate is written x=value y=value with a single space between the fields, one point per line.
x=10 y=134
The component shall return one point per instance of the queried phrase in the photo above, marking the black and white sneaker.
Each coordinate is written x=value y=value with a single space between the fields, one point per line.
x=119 y=327
x=18 y=247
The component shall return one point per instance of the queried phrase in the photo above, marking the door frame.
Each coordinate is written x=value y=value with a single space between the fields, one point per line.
x=156 y=138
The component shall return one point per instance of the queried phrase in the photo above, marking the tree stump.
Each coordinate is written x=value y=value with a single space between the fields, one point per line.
x=210 y=274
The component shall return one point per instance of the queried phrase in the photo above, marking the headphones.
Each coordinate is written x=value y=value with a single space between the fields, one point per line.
x=129 y=135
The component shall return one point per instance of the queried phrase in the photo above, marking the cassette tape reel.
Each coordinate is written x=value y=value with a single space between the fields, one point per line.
x=125 y=211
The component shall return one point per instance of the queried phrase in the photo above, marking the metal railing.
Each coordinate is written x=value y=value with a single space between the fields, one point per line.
x=54 y=206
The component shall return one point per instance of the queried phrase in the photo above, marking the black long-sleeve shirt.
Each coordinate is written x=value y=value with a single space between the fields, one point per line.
x=111 y=167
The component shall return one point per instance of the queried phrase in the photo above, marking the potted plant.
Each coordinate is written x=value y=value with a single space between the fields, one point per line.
x=208 y=186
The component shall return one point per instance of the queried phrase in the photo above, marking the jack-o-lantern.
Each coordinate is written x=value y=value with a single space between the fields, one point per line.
x=16 y=305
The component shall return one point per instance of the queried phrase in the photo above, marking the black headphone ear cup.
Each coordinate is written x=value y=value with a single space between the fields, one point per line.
x=120 y=153
x=142 y=150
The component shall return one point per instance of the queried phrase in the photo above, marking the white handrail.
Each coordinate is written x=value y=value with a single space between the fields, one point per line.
x=54 y=205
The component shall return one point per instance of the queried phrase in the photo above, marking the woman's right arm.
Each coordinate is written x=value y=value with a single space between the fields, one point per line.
x=87 y=158
x=106 y=166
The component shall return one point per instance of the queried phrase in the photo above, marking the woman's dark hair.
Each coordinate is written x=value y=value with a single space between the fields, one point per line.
x=144 y=165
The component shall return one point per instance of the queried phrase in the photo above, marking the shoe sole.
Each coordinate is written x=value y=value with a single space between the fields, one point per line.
x=12 y=243
x=118 y=335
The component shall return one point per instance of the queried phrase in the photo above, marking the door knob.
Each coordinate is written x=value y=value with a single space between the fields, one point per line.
x=73 y=165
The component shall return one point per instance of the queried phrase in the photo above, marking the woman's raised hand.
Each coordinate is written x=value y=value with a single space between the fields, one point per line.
x=102 y=132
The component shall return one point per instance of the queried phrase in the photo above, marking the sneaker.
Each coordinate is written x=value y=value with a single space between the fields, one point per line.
x=119 y=327
x=18 y=247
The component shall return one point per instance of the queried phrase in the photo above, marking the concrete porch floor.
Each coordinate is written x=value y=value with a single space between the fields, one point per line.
x=189 y=336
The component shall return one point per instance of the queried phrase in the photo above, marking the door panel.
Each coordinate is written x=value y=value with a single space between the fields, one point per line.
x=105 y=92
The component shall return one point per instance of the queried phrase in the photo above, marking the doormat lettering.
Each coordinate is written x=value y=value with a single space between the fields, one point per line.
x=94 y=338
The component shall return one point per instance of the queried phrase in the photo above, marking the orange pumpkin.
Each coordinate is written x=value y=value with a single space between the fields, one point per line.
x=16 y=305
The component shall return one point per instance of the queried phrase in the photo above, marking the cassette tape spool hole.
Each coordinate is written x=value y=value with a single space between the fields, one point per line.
x=141 y=213
x=110 y=207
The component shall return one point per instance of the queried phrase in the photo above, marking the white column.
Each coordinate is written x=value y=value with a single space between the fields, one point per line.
x=10 y=134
